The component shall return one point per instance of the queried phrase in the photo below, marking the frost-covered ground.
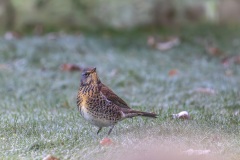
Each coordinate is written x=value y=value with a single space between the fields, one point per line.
x=38 y=109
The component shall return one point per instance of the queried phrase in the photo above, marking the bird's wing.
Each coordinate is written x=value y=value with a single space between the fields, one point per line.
x=111 y=96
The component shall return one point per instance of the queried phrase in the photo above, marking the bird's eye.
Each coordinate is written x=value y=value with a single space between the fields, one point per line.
x=86 y=74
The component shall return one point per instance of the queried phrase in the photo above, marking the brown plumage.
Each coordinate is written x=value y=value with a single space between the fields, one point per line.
x=111 y=96
x=99 y=105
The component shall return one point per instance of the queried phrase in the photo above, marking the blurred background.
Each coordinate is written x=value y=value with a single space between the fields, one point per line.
x=39 y=16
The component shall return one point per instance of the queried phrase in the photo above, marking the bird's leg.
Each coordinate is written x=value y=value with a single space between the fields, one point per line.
x=110 y=130
x=99 y=130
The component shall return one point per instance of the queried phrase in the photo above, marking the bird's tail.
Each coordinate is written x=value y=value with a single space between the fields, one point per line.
x=129 y=113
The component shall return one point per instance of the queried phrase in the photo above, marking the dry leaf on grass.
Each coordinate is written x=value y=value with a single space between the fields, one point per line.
x=226 y=61
x=214 y=51
x=70 y=67
x=106 y=142
x=196 y=152
x=231 y=60
x=50 y=157
x=173 y=72
x=163 y=45
x=12 y=35
x=166 y=45
x=151 y=41
x=181 y=115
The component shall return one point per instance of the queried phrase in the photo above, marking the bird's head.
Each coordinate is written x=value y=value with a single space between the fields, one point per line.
x=89 y=76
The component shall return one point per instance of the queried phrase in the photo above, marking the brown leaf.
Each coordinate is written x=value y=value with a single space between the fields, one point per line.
x=173 y=72
x=226 y=61
x=214 y=51
x=11 y=35
x=50 y=157
x=231 y=60
x=151 y=41
x=106 y=142
x=70 y=67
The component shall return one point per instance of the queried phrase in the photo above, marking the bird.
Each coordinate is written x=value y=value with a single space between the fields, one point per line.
x=99 y=105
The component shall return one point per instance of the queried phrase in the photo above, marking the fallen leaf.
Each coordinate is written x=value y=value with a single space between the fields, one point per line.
x=11 y=35
x=172 y=72
x=196 y=152
x=163 y=44
x=106 y=142
x=214 y=51
x=226 y=61
x=166 y=45
x=231 y=60
x=151 y=41
x=205 y=90
x=70 y=67
x=181 y=115
x=50 y=157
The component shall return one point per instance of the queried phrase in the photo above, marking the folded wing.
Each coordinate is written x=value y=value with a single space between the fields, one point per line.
x=111 y=96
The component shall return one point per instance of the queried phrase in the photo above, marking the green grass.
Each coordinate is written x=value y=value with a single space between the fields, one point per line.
x=38 y=114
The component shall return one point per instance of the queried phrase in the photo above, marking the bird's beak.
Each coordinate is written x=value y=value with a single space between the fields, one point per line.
x=94 y=69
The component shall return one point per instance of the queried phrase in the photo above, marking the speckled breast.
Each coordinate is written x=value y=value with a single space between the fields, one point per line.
x=96 y=109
